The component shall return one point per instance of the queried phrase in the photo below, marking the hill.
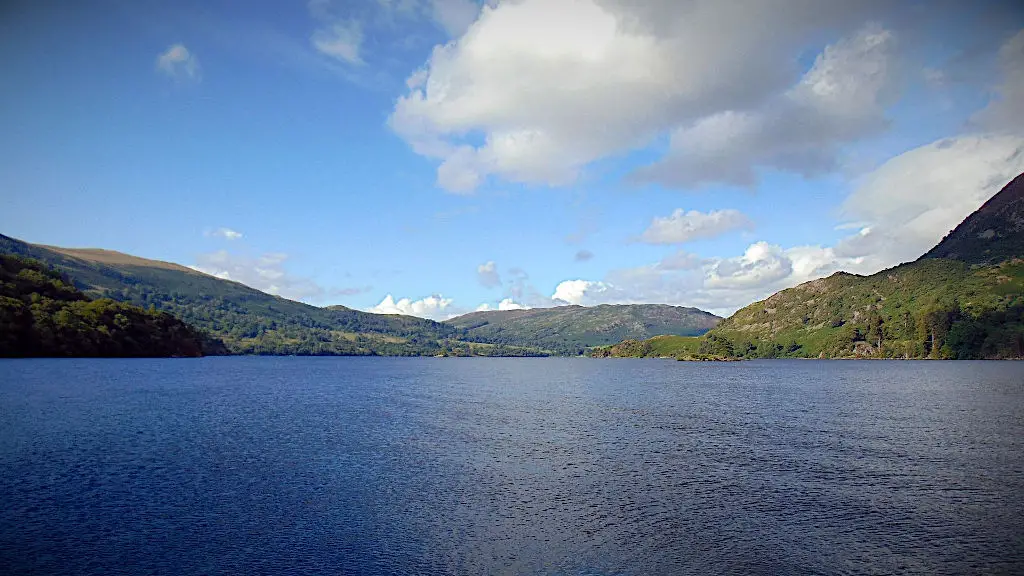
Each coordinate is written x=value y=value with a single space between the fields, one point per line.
x=42 y=314
x=963 y=299
x=251 y=322
x=664 y=346
x=993 y=234
x=572 y=329
x=934 y=308
x=247 y=320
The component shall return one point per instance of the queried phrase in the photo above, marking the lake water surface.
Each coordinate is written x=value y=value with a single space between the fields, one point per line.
x=510 y=466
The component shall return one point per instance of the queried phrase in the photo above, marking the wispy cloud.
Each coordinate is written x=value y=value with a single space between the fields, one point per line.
x=350 y=291
x=487 y=275
x=178 y=63
x=266 y=273
x=341 y=41
x=683 y=226
x=337 y=37
x=225 y=233
x=583 y=256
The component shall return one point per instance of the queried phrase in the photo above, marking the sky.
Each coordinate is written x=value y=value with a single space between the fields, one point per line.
x=435 y=157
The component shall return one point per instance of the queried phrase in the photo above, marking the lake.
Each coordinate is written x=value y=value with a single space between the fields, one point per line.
x=510 y=466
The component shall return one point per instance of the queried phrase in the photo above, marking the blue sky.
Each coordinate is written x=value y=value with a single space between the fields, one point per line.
x=435 y=156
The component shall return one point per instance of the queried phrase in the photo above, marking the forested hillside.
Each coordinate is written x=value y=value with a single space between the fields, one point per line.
x=247 y=320
x=252 y=322
x=42 y=314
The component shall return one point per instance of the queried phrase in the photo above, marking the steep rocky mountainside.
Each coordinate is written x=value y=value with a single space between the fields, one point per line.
x=993 y=234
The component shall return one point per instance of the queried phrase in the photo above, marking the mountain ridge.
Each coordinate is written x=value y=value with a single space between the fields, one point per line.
x=991 y=234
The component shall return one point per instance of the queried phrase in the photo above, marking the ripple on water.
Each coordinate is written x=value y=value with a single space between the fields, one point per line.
x=510 y=466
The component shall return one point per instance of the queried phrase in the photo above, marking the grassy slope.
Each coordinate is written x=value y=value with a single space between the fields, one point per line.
x=664 y=346
x=578 y=327
x=931 y=308
x=894 y=313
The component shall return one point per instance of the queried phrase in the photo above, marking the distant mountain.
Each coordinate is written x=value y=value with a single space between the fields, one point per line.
x=251 y=322
x=42 y=314
x=247 y=320
x=571 y=329
x=963 y=299
x=993 y=234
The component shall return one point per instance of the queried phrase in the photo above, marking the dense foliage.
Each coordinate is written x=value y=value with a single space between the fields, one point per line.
x=42 y=314
x=247 y=320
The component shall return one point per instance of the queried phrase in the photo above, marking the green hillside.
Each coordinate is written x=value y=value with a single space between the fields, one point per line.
x=573 y=329
x=664 y=346
x=251 y=322
x=247 y=320
x=963 y=299
x=933 y=308
x=42 y=314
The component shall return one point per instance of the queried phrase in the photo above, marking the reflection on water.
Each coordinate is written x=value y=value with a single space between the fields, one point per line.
x=510 y=466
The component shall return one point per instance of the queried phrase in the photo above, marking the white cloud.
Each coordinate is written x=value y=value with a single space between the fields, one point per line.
x=762 y=264
x=434 y=307
x=487 y=275
x=1006 y=111
x=683 y=226
x=596 y=77
x=909 y=203
x=265 y=273
x=506 y=304
x=455 y=16
x=842 y=98
x=680 y=260
x=903 y=208
x=225 y=233
x=178 y=63
x=578 y=291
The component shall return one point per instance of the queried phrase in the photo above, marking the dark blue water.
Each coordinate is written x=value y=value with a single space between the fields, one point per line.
x=510 y=466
